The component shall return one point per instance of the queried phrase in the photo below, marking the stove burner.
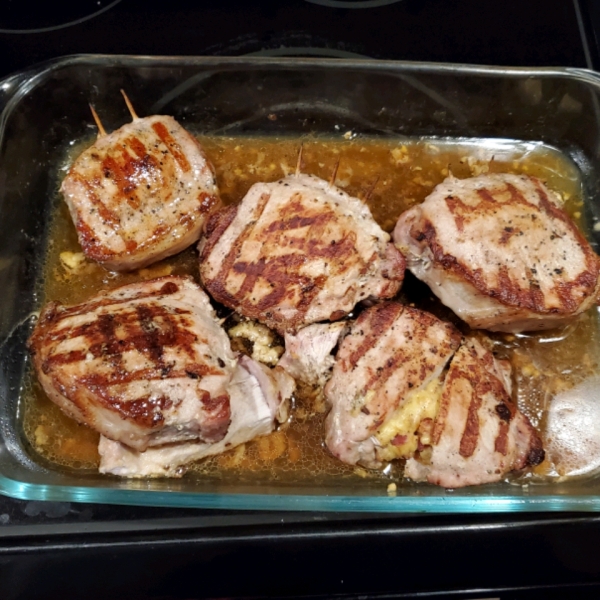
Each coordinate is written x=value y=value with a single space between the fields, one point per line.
x=353 y=3
x=31 y=16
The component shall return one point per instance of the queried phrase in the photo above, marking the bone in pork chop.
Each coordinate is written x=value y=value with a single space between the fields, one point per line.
x=297 y=251
x=500 y=252
x=478 y=435
x=140 y=194
x=258 y=399
x=384 y=381
x=144 y=364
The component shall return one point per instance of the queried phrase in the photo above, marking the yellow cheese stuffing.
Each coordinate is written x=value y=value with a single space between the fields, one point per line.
x=419 y=405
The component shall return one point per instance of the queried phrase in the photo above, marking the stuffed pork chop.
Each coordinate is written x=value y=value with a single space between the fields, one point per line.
x=295 y=252
x=393 y=397
x=478 y=434
x=140 y=194
x=146 y=364
x=385 y=380
x=500 y=252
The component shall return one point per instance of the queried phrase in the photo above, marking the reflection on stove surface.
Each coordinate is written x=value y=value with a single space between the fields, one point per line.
x=32 y=16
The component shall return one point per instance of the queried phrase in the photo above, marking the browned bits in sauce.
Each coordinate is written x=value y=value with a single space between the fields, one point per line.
x=406 y=172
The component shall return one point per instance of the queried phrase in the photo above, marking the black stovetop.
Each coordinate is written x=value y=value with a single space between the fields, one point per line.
x=507 y=32
x=49 y=549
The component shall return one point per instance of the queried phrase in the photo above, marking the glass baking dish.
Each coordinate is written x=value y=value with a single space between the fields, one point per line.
x=45 y=111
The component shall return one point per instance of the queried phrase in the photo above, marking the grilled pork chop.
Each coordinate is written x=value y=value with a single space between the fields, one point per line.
x=258 y=399
x=140 y=194
x=145 y=364
x=500 y=252
x=385 y=381
x=295 y=252
x=478 y=435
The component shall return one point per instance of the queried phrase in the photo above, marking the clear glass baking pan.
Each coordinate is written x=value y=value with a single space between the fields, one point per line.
x=45 y=110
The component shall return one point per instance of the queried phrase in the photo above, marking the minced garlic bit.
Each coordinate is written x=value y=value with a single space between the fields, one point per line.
x=400 y=155
x=41 y=435
x=74 y=262
x=530 y=371
x=262 y=339
x=392 y=488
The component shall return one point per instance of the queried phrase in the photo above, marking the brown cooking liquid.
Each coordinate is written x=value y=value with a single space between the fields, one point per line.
x=394 y=176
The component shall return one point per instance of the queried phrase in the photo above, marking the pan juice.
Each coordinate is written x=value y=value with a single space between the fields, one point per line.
x=391 y=175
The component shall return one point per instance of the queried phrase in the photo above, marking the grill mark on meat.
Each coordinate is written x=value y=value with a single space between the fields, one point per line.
x=479 y=386
x=216 y=226
x=151 y=340
x=506 y=413
x=453 y=205
x=377 y=321
x=206 y=202
x=137 y=146
x=173 y=147
x=470 y=437
x=106 y=214
x=218 y=285
x=507 y=292
x=294 y=215
x=379 y=379
x=570 y=294
x=150 y=392
x=123 y=176
x=146 y=411
x=167 y=289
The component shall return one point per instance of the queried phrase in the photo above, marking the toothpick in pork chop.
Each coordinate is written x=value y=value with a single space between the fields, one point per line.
x=297 y=251
x=141 y=193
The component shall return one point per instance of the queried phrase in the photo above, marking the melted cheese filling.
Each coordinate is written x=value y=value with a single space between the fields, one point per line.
x=398 y=435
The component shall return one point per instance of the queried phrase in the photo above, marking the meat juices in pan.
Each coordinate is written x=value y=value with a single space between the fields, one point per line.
x=140 y=194
x=146 y=364
x=296 y=347
x=295 y=252
x=501 y=253
x=390 y=399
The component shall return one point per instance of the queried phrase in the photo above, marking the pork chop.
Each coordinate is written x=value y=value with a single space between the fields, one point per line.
x=500 y=251
x=258 y=398
x=478 y=435
x=295 y=252
x=144 y=364
x=385 y=380
x=140 y=194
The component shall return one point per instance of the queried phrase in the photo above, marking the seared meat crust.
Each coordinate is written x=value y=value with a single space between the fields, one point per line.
x=500 y=252
x=391 y=351
x=144 y=364
x=479 y=435
x=295 y=252
x=140 y=194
